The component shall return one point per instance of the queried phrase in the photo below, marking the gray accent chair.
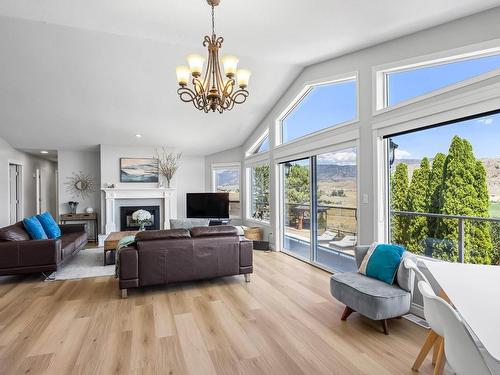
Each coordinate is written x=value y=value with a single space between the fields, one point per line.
x=373 y=298
x=188 y=223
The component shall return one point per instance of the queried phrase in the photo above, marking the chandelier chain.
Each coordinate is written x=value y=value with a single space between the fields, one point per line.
x=213 y=20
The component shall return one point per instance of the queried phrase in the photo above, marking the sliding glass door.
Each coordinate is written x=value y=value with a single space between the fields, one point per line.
x=296 y=210
x=336 y=208
x=319 y=208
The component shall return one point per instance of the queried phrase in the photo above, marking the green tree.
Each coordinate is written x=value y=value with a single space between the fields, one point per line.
x=260 y=192
x=479 y=246
x=297 y=192
x=417 y=201
x=399 y=190
x=297 y=184
x=435 y=187
x=464 y=192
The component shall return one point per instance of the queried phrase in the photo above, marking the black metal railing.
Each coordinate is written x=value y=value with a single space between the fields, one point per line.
x=461 y=220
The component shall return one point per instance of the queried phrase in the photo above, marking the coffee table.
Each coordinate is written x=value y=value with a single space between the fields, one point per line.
x=111 y=242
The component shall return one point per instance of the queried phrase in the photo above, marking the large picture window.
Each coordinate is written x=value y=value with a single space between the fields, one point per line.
x=259 y=193
x=409 y=83
x=323 y=106
x=226 y=179
x=445 y=190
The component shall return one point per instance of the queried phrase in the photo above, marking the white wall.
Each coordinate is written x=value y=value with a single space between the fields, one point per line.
x=190 y=177
x=30 y=164
x=470 y=30
x=74 y=162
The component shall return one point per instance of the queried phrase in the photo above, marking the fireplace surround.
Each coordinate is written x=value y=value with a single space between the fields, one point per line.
x=127 y=223
x=113 y=197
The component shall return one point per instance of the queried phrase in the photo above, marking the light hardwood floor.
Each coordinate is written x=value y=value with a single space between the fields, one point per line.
x=283 y=322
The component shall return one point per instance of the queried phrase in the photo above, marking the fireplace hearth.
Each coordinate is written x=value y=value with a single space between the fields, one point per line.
x=128 y=224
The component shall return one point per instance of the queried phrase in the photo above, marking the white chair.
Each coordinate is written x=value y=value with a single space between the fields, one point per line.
x=435 y=335
x=461 y=351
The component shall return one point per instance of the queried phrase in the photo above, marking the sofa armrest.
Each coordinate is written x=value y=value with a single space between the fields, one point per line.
x=30 y=253
x=73 y=228
x=129 y=264
x=246 y=253
x=360 y=252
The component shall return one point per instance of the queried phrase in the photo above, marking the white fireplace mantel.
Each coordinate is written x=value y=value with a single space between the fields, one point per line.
x=167 y=196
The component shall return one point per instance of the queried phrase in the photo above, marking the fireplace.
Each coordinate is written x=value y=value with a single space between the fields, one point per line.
x=127 y=223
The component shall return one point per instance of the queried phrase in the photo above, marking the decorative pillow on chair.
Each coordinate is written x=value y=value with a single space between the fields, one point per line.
x=382 y=261
x=49 y=225
x=34 y=228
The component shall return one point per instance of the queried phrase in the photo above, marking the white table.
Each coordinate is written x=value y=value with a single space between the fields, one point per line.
x=474 y=290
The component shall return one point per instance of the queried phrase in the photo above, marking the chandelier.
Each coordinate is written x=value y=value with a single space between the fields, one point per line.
x=213 y=92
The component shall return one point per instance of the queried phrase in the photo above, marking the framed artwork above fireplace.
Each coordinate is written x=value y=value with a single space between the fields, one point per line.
x=138 y=170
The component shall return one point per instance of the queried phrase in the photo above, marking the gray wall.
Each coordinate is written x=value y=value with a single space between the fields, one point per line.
x=74 y=162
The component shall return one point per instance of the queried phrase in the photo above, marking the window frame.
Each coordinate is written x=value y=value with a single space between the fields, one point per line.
x=249 y=190
x=252 y=150
x=227 y=166
x=380 y=73
x=297 y=99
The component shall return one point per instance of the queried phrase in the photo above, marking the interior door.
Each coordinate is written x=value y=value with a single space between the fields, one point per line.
x=14 y=193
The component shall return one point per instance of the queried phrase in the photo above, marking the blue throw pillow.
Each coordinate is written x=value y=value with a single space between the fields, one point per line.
x=34 y=228
x=49 y=225
x=382 y=261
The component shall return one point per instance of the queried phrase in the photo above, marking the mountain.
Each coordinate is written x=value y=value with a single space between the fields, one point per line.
x=335 y=171
x=228 y=178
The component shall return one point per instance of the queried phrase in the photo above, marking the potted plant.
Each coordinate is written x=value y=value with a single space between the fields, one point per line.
x=168 y=163
x=143 y=218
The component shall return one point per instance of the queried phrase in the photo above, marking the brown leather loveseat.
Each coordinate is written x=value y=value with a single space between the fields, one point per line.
x=167 y=256
x=20 y=254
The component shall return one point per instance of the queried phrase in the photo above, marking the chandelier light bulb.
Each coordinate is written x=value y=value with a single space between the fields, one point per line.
x=243 y=77
x=222 y=86
x=182 y=75
x=195 y=64
x=230 y=64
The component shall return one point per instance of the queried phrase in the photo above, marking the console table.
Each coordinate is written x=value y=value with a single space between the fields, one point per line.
x=92 y=218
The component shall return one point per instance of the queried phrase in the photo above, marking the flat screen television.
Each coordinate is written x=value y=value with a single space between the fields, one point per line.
x=207 y=205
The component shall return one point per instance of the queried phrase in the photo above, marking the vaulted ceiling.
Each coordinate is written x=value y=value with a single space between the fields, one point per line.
x=74 y=74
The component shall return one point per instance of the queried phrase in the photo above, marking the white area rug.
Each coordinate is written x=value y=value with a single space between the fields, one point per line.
x=87 y=263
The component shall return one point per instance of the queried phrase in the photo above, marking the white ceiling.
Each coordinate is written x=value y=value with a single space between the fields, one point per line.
x=77 y=73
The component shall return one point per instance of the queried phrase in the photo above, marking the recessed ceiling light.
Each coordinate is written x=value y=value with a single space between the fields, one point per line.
x=138 y=135
x=44 y=152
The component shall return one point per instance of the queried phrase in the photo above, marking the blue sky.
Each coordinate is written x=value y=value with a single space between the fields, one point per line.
x=483 y=133
x=332 y=104
x=323 y=107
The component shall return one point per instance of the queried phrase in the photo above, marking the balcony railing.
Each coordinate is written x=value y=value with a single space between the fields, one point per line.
x=461 y=234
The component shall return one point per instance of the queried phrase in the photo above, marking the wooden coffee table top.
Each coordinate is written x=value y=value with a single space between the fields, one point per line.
x=112 y=240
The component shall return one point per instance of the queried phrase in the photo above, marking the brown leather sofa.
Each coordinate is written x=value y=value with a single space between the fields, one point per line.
x=167 y=256
x=19 y=254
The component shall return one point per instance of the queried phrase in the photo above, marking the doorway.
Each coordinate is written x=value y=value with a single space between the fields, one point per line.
x=15 y=192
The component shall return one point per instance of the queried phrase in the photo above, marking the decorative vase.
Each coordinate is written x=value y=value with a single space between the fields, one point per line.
x=72 y=206
x=142 y=227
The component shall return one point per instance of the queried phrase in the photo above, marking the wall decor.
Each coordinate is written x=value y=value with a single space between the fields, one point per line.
x=138 y=170
x=80 y=185
x=168 y=163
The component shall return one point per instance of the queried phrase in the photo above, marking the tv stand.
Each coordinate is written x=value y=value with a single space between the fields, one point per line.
x=214 y=222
